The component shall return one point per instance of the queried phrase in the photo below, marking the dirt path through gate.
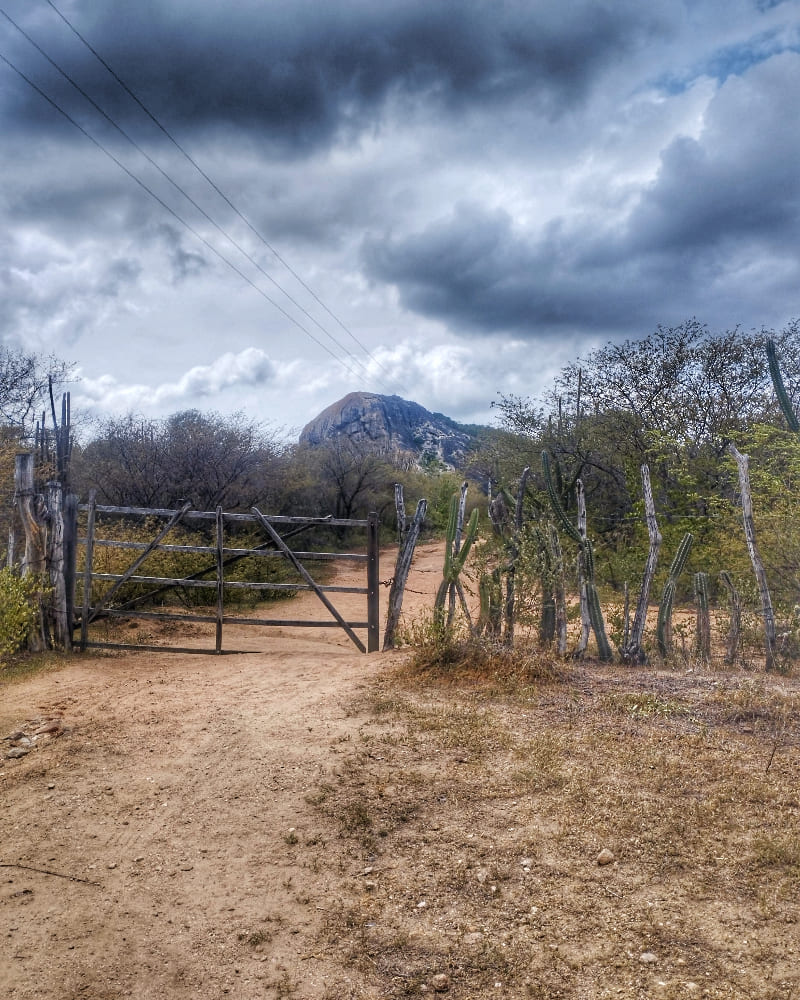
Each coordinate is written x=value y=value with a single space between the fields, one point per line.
x=172 y=816
x=301 y=821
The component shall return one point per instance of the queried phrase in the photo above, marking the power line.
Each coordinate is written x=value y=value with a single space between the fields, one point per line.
x=173 y=213
x=188 y=197
x=218 y=190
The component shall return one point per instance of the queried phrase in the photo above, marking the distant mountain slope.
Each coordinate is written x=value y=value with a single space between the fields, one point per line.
x=392 y=425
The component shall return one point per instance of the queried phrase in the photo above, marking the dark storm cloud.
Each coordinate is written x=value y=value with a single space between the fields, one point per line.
x=304 y=71
x=723 y=206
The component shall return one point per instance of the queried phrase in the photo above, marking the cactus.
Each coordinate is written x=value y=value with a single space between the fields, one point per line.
x=591 y=613
x=490 y=591
x=736 y=617
x=780 y=388
x=664 y=627
x=596 y=617
x=455 y=556
x=703 y=618
x=555 y=502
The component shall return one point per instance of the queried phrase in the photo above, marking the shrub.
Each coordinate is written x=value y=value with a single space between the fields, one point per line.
x=17 y=611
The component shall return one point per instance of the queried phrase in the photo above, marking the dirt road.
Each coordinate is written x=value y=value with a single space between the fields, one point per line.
x=160 y=843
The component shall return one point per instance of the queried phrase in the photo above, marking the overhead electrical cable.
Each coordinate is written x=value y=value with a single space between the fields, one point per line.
x=174 y=214
x=188 y=197
x=216 y=188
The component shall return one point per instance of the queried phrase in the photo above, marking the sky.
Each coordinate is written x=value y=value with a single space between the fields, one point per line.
x=444 y=200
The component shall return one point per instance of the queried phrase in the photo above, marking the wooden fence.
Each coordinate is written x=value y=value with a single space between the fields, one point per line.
x=88 y=610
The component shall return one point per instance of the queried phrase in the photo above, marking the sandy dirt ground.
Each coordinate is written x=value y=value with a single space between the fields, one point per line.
x=158 y=842
x=299 y=820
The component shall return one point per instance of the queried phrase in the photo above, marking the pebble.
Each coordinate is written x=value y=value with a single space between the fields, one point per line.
x=473 y=938
x=441 y=982
x=16 y=752
x=605 y=857
x=647 y=958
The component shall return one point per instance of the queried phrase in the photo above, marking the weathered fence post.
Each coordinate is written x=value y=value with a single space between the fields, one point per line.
x=373 y=584
x=768 y=614
x=403 y=566
x=86 y=606
x=70 y=557
x=220 y=582
x=632 y=650
x=60 y=627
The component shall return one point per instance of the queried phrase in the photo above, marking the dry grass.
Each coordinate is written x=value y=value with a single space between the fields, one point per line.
x=476 y=805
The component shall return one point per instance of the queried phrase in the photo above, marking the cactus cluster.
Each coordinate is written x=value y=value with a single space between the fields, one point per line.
x=703 y=617
x=586 y=554
x=455 y=555
x=664 y=627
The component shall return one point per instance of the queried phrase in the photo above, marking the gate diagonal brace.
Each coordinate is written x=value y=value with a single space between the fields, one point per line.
x=104 y=600
x=279 y=542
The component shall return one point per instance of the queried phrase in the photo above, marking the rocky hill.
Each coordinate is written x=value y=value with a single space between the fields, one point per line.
x=393 y=426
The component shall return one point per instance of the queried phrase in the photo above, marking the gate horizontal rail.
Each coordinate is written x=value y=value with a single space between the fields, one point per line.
x=223 y=557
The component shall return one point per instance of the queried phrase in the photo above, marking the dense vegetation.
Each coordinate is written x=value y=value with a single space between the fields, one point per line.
x=673 y=400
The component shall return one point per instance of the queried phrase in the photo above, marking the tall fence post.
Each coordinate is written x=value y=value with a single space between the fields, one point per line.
x=87 y=571
x=373 y=585
x=57 y=605
x=70 y=558
x=220 y=581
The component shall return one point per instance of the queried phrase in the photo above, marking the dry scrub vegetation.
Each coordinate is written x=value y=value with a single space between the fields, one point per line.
x=476 y=805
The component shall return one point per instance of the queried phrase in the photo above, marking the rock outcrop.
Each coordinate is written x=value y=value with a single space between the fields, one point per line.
x=393 y=426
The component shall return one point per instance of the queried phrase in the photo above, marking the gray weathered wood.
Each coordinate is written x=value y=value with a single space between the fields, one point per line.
x=405 y=555
x=742 y=464
x=373 y=584
x=87 y=571
x=633 y=651
x=400 y=507
x=106 y=598
x=220 y=581
x=586 y=625
x=70 y=556
x=307 y=577
x=170 y=583
x=60 y=627
x=210 y=515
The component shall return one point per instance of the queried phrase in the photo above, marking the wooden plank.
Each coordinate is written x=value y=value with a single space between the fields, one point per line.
x=229 y=561
x=138 y=562
x=231 y=584
x=405 y=555
x=292 y=557
x=289 y=623
x=87 y=572
x=212 y=549
x=158 y=616
x=210 y=515
x=373 y=585
x=70 y=555
x=155 y=579
x=220 y=582
x=133 y=647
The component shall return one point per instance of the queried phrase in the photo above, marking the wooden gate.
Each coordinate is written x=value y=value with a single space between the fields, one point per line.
x=213 y=576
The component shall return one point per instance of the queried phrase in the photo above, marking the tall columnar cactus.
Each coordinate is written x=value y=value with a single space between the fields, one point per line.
x=555 y=502
x=664 y=627
x=591 y=612
x=703 y=616
x=604 y=651
x=780 y=388
x=736 y=617
x=455 y=556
